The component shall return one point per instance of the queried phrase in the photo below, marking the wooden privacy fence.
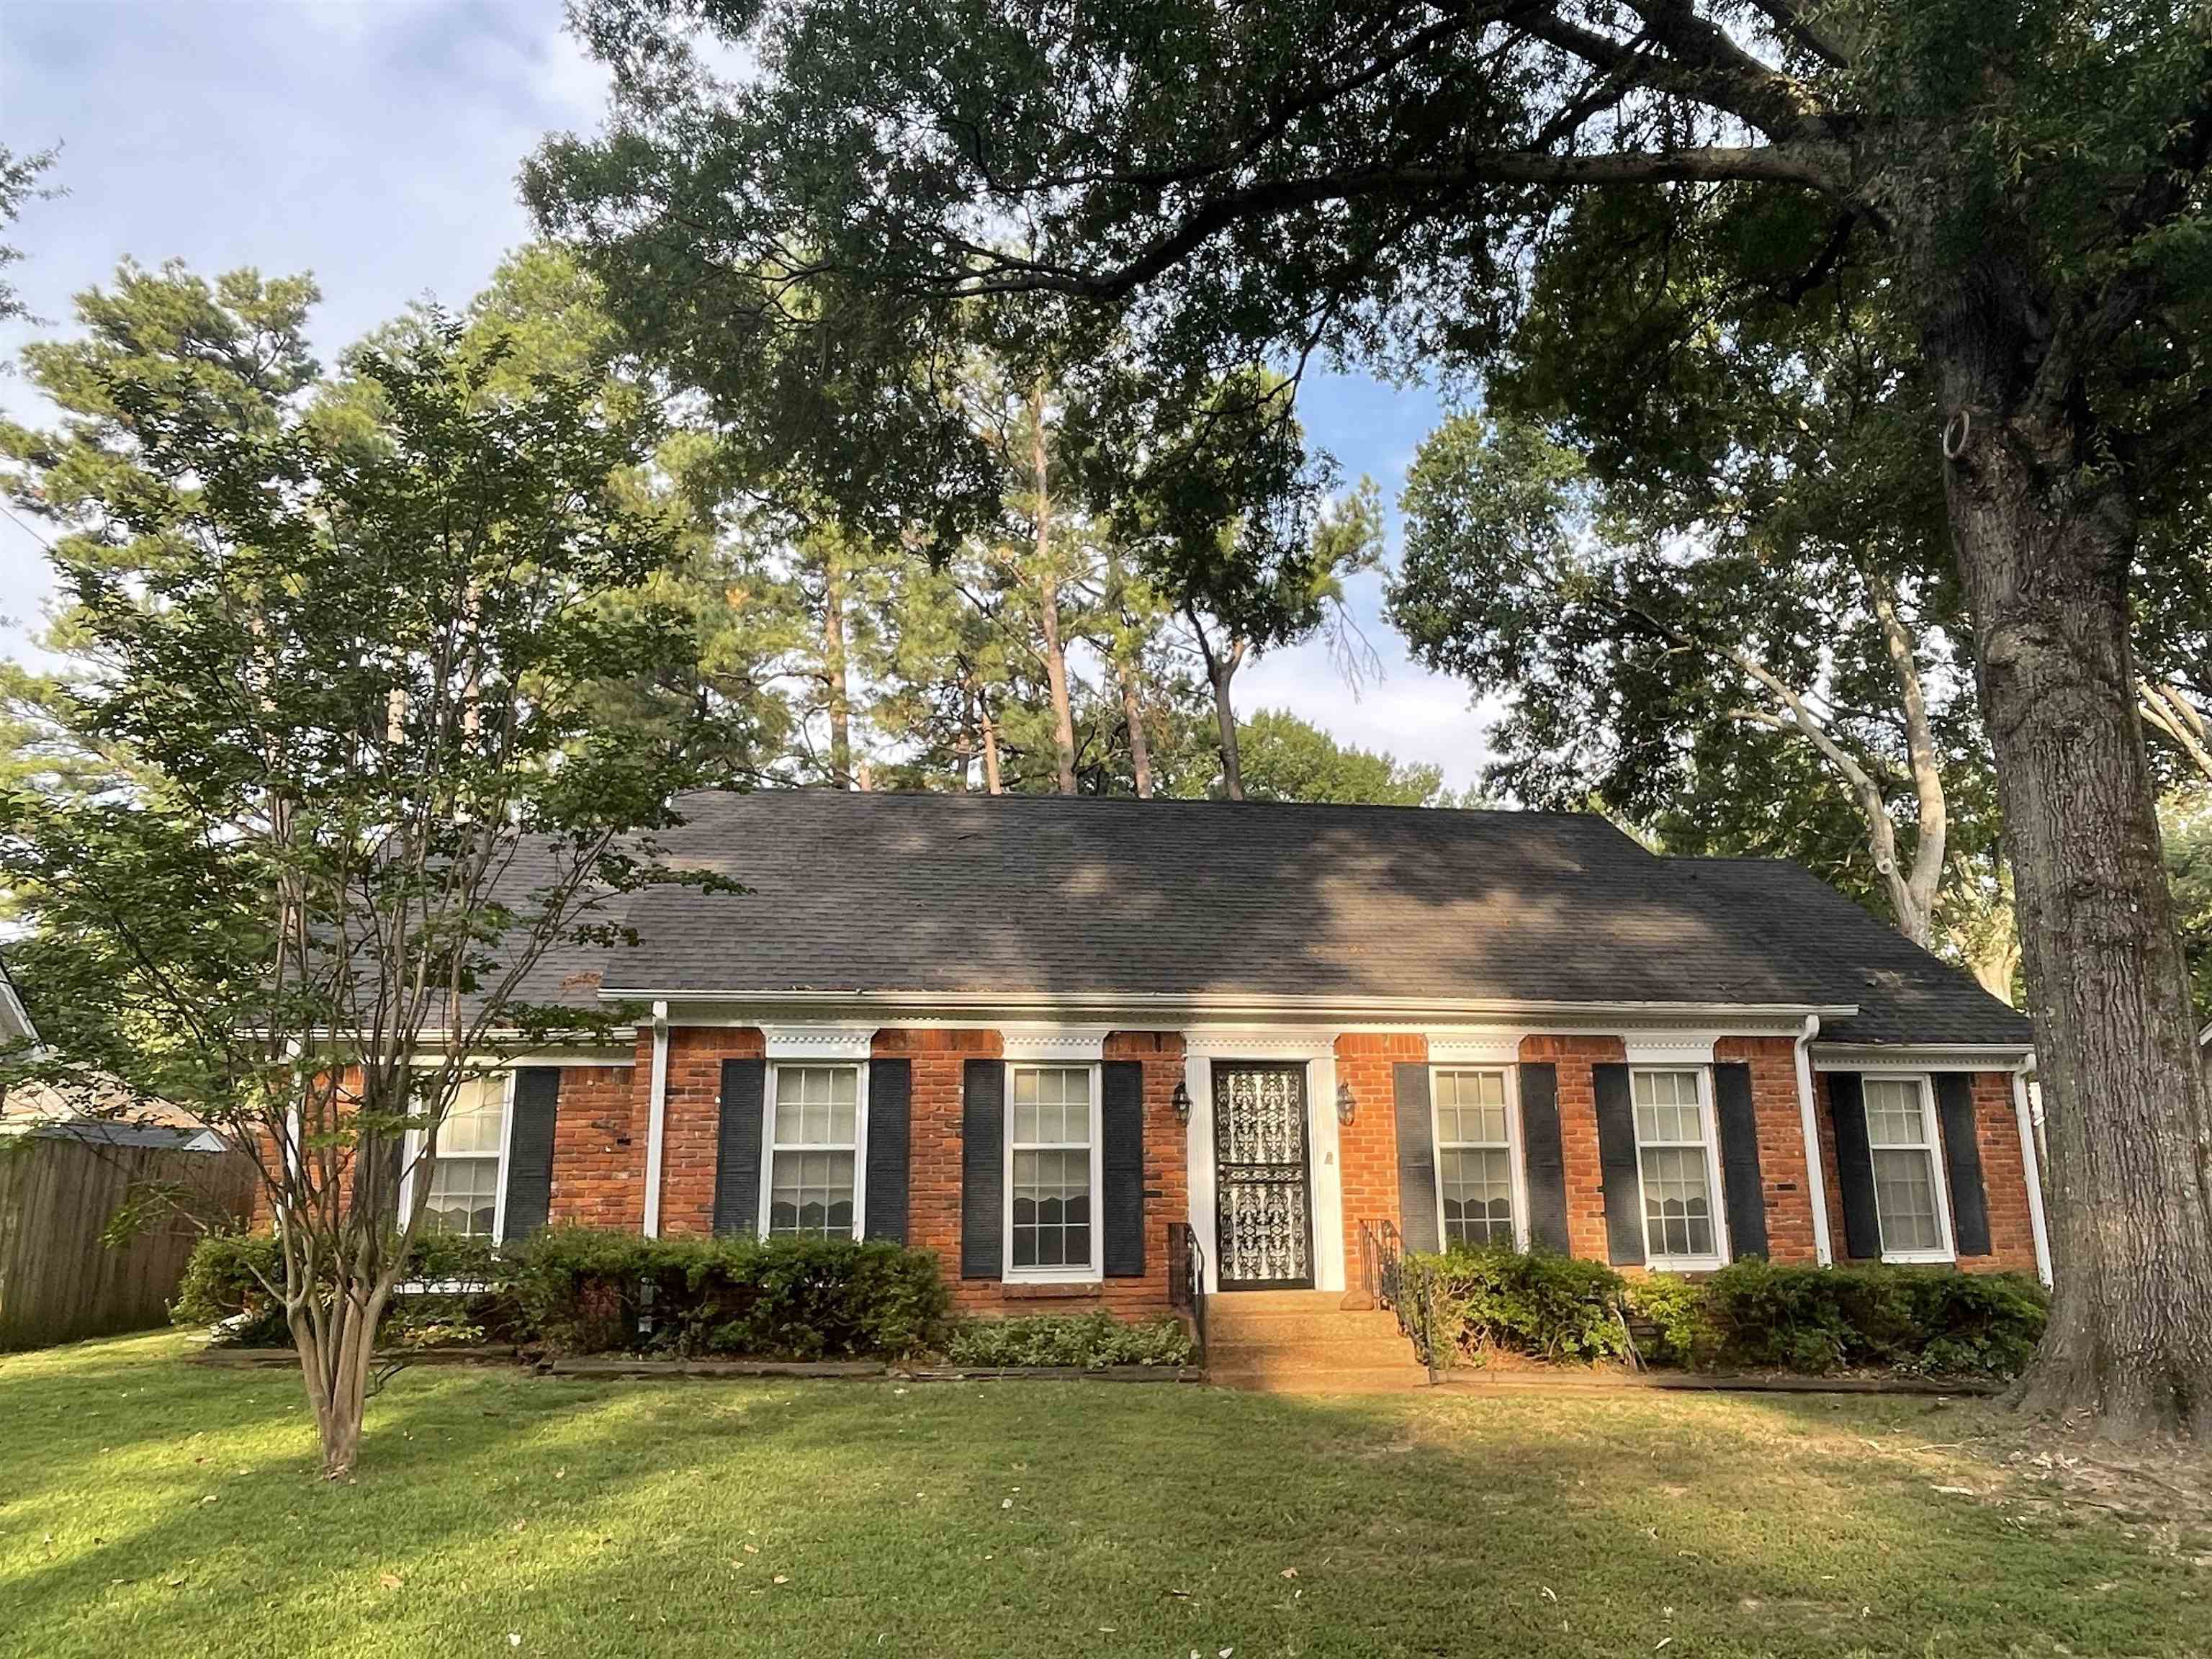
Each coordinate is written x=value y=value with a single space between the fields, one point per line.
x=59 y=1279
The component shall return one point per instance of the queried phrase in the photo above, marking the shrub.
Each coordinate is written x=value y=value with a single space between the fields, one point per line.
x=1092 y=1341
x=585 y=1291
x=223 y=1285
x=1552 y=1307
x=1680 y=1312
x=1927 y=1321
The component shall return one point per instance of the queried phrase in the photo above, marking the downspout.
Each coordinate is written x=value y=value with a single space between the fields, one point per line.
x=1823 y=1251
x=656 y=1120
x=2031 y=1167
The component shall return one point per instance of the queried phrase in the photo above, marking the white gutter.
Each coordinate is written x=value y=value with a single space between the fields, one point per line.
x=1476 y=1009
x=1823 y=1249
x=2031 y=1167
x=656 y=1120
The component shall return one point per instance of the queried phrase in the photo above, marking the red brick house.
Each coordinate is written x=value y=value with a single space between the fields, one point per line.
x=1035 y=1034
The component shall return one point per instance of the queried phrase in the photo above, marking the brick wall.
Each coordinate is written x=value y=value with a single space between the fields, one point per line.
x=933 y=1196
x=939 y=1058
x=1574 y=1056
x=2004 y=1175
x=1367 y=1147
x=692 y=1121
x=598 y=1145
x=1783 y=1175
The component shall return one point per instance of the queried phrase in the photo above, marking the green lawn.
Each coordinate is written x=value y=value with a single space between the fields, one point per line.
x=149 y=1504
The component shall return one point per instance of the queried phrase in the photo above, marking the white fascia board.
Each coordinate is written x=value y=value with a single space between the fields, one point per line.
x=892 y=1008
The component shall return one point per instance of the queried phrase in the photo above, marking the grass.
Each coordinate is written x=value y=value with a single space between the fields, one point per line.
x=145 y=1500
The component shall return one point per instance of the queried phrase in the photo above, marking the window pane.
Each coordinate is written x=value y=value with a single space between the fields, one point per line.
x=1471 y=1108
x=1051 y=1209
x=810 y=1192
x=473 y=1121
x=1894 y=1117
x=1904 y=1198
x=1052 y=1106
x=815 y=1105
x=463 y=1196
x=1677 y=1217
x=1478 y=1196
x=1666 y=1107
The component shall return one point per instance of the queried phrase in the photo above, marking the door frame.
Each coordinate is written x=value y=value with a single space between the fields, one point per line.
x=1303 y=1071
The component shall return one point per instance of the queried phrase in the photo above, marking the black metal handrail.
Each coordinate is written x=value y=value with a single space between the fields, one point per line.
x=1406 y=1291
x=1186 y=1278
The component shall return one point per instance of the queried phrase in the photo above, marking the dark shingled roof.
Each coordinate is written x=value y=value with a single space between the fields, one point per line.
x=969 y=893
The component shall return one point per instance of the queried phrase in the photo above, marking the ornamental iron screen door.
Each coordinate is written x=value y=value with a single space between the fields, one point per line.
x=1263 y=1206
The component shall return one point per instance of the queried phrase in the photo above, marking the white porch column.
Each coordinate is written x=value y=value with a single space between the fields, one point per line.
x=1198 y=1153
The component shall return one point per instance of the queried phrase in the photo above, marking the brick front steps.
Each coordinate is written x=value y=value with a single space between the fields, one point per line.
x=1306 y=1342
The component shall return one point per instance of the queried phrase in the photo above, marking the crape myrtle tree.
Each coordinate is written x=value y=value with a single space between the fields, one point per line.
x=385 y=766
x=1241 y=184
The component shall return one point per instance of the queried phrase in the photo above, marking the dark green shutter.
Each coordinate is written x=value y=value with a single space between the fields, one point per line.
x=890 y=1100
x=1854 y=1166
x=1417 y=1158
x=1962 y=1163
x=1742 y=1191
x=1541 y=1155
x=529 y=1149
x=738 y=1146
x=1617 y=1165
x=1121 y=1125
x=983 y=1170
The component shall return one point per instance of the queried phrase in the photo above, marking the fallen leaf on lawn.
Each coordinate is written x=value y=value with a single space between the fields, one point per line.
x=1006 y=1503
x=209 y=1498
x=520 y=1525
x=1549 y=1594
x=1290 y=1572
x=389 y=1580
x=1661 y=1643
x=782 y=1578
x=560 y=1474
x=173 y=1582
x=752 y=1549
x=1957 y=1491
x=514 y=1638
x=1224 y=1653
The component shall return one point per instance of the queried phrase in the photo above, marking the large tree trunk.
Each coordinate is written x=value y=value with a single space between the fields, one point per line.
x=833 y=670
x=1047 y=585
x=1224 y=716
x=2044 y=547
x=1132 y=715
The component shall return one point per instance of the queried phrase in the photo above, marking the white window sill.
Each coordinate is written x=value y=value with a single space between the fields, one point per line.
x=1919 y=1258
x=1047 y=1276
x=1683 y=1264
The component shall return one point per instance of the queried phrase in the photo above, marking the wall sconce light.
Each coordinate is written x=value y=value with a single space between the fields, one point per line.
x=1347 y=1105
x=1182 y=1102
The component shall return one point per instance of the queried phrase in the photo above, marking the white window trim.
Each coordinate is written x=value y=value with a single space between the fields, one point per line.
x=1095 y=1271
x=815 y=1063
x=411 y=1148
x=1517 y=1168
x=1708 y=1121
x=1931 y=1125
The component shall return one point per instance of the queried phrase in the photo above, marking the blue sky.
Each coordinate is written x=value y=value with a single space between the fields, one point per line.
x=375 y=142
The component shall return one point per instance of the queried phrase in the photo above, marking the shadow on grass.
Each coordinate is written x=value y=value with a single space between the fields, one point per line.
x=647 y=1518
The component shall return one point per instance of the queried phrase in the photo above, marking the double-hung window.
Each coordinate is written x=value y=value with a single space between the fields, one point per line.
x=1675 y=1162
x=1052 y=1153
x=462 y=1194
x=1474 y=1156
x=814 y=1120
x=1908 y=1196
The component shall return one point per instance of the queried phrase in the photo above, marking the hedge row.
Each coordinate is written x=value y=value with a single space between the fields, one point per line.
x=1751 y=1316
x=576 y=1290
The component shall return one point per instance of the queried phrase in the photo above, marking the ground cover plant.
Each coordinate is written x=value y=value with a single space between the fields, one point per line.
x=494 y=1512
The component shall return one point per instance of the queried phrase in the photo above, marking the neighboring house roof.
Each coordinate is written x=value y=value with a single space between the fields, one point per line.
x=1101 y=896
x=184 y=1138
